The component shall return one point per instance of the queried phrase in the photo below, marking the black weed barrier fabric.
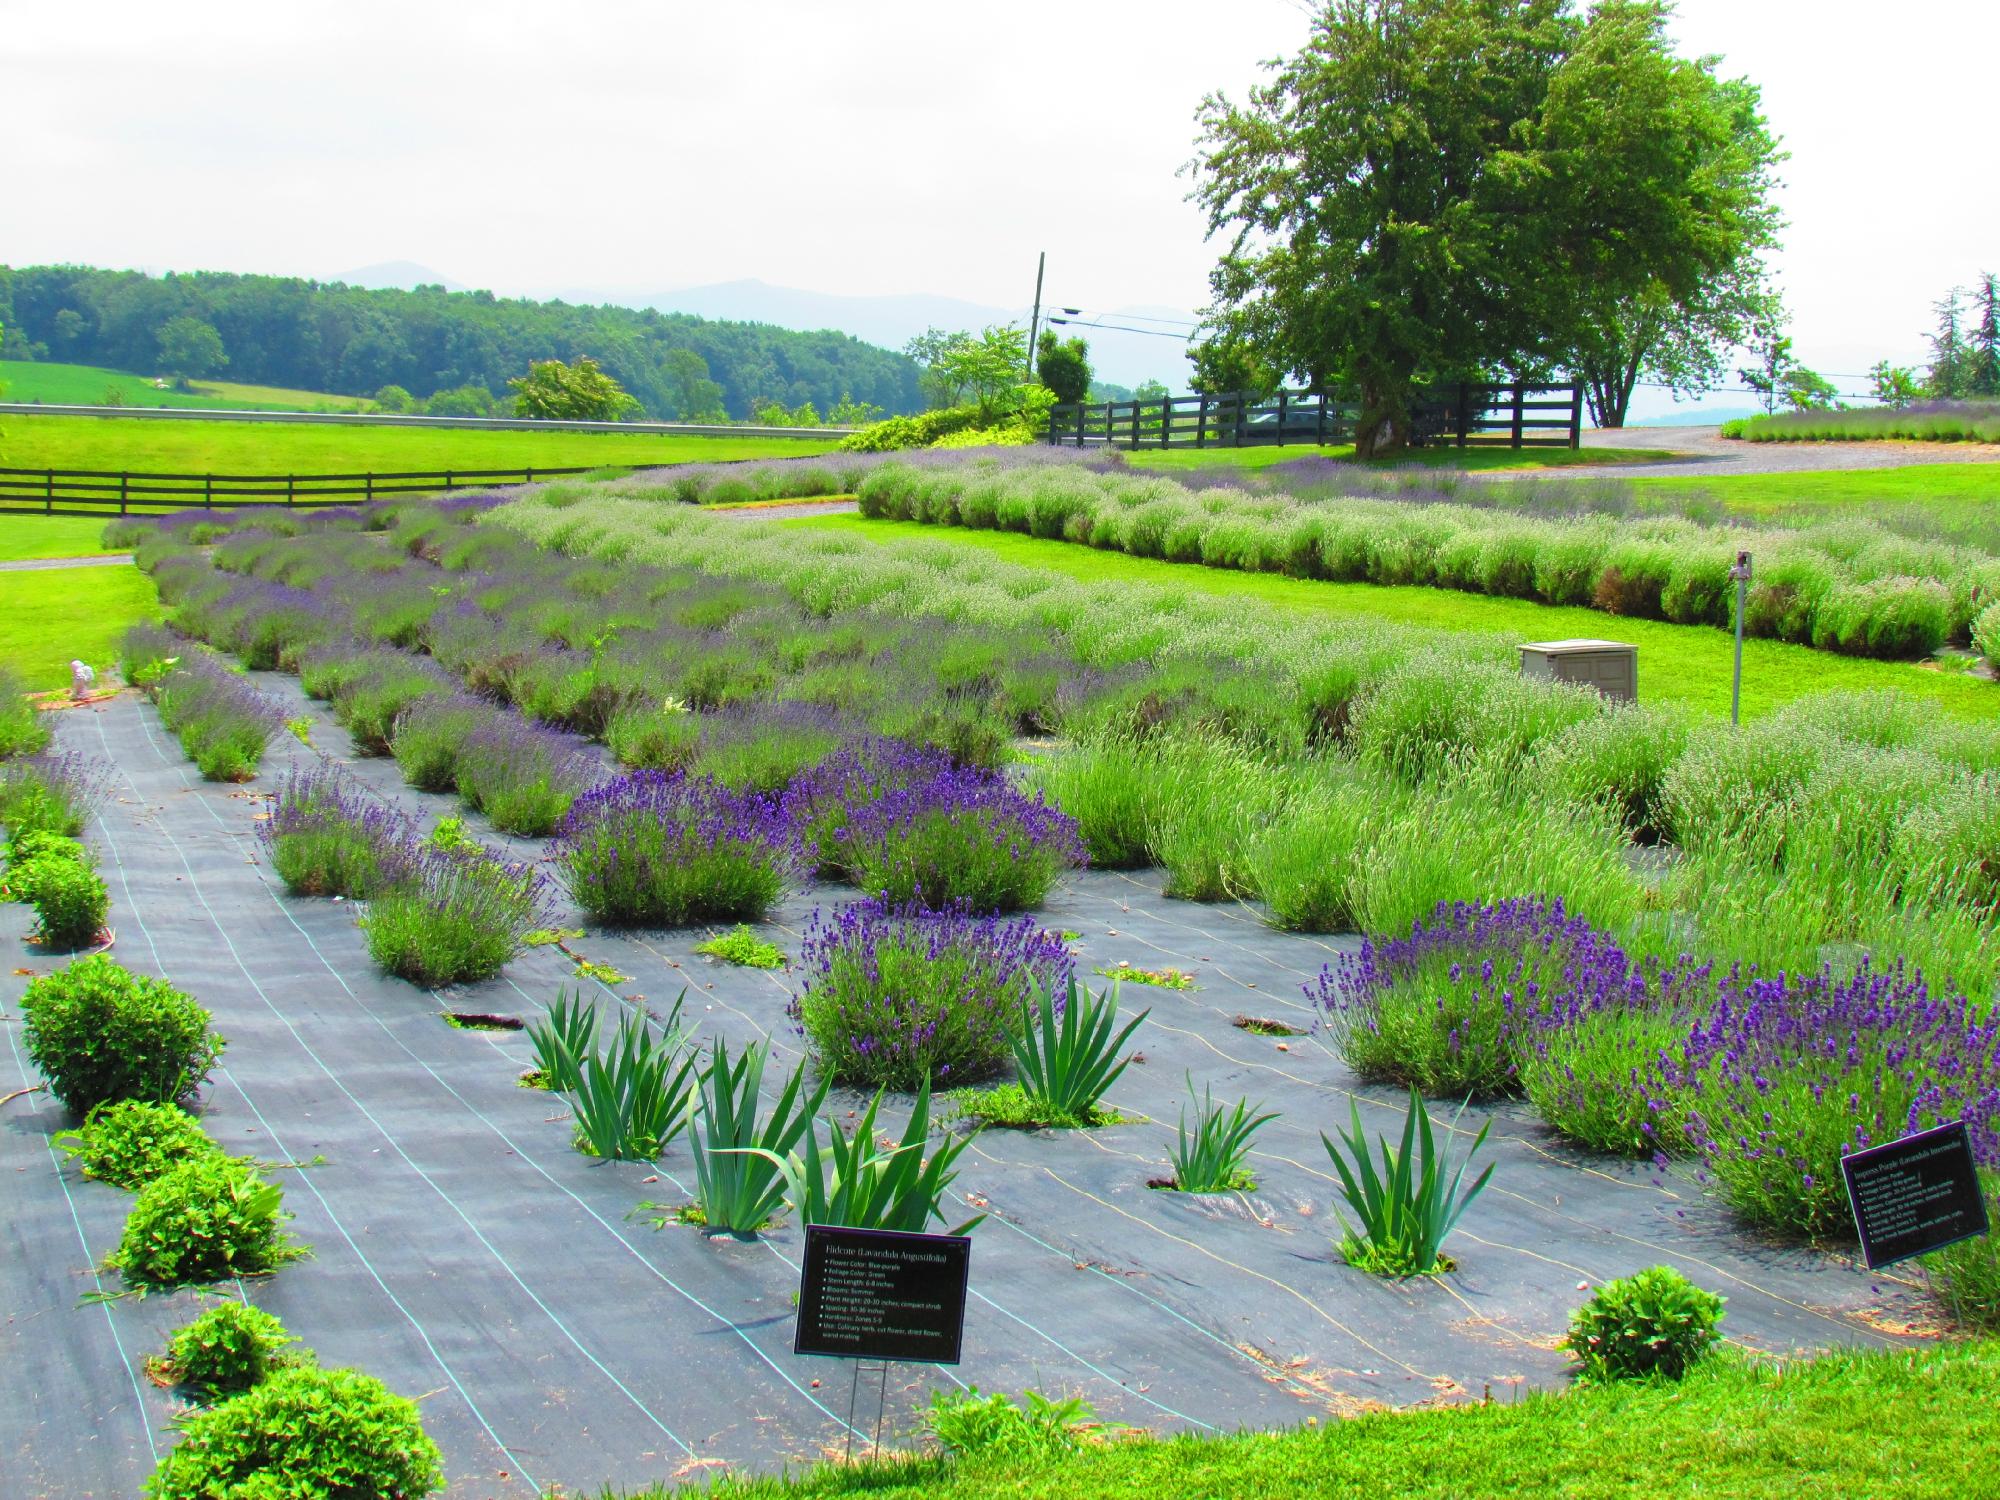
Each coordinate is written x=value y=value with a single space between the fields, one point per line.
x=466 y=1255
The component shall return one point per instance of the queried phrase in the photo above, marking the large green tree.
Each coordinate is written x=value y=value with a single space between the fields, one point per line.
x=1063 y=365
x=555 y=392
x=1659 y=204
x=1436 y=187
x=190 y=348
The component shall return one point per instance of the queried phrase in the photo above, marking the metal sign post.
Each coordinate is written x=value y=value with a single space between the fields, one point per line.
x=1741 y=573
x=877 y=1297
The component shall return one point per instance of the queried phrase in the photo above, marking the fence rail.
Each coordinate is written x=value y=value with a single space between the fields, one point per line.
x=67 y=492
x=1515 y=415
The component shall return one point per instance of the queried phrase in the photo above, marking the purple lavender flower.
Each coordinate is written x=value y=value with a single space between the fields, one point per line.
x=899 y=995
x=662 y=848
x=326 y=836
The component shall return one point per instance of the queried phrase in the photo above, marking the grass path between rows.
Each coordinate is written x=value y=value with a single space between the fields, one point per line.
x=1681 y=664
x=49 y=615
x=1903 y=1425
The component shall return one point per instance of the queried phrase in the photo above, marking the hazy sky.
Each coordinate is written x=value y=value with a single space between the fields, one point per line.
x=900 y=146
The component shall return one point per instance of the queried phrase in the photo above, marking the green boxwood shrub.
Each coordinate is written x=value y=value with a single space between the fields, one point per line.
x=210 y=1218
x=70 y=901
x=100 y=1033
x=229 y=1348
x=133 y=1141
x=22 y=731
x=1653 y=1323
x=327 y=1434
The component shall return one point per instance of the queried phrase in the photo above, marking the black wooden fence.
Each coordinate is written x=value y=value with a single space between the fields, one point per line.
x=1515 y=415
x=97 y=492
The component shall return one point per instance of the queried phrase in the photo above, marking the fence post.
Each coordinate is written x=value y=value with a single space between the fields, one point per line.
x=208 y=491
x=1319 y=428
x=368 y=487
x=123 y=481
x=1239 y=421
x=528 y=475
x=1201 y=422
x=447 y=481
x=1575 y=414
x=291 y=490
x=1520 y=394
x=1464 y=412
x=1283 y=404
x=49 y=492
x=1079 y=422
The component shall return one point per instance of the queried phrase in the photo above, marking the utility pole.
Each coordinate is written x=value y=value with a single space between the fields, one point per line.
x=1035 y=319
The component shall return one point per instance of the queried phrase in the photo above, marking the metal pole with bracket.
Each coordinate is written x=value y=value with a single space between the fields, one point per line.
x=1741 y=573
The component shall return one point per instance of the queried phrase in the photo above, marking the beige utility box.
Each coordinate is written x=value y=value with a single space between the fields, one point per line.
x=1612 y=667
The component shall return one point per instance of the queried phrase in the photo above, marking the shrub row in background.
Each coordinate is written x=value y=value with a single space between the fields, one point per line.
x=1852 y=587
x=1927 y=422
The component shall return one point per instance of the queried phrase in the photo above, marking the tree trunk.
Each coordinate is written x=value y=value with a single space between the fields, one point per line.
x=1382 y=429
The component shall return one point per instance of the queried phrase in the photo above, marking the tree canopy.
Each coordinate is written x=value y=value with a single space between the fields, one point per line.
x=1435 y=188
x=325 y=336
x=1063 y=365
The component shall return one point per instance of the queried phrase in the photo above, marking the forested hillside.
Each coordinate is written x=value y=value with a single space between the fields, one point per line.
x=284 y=331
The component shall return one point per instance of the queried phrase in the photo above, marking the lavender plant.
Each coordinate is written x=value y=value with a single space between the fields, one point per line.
x=522 y=777
x=662 y=848
x=459 y=917
x=820 y=803
x=900 y=996
x=223 y=723
x=326 y=836
x=1780 y=1076
x=55 y=792
x=1450 y=1008
x=429 y=734
x=964 y=838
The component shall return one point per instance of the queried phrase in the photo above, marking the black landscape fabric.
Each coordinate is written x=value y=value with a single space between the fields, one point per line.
x=464 y=1253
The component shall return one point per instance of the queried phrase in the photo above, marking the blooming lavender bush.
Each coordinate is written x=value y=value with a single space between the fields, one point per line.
x=662 y=848
x=1780 y=1076
x=522 y=777
x=962 y=838
x=429 y=734
x=458 y=917
x=1451 y=1007
x=222 y=722
x=370 y=688
x=54 y=792
x=327 y=837
x=820 y=802
x=897 y=996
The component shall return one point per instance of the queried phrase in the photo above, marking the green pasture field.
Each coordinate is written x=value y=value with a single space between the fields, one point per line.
x=26 y=537
x=142 y=445
x=1684 y=664
x=1466 y=460
x=89 y=385
x=49 y=615
x=1887 y=1425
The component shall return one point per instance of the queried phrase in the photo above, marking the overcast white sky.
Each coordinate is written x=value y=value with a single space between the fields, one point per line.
x=899 y=146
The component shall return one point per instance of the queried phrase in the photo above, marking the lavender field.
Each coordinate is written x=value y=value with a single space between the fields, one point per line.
x=442 y=864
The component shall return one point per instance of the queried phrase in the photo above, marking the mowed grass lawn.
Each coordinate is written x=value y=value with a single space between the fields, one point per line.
x=91 y=385
x=163 y=446
x=1684 y=664
x=1902 y=1425
x=50 y=536
x=1822 y=490
x=49 y=615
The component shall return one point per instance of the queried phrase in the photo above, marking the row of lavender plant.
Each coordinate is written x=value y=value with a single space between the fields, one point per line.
x=439 y=910
x=1856 y=589
x=1766 y=1079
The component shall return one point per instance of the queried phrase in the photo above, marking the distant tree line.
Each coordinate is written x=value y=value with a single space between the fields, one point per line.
x=326 y=336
